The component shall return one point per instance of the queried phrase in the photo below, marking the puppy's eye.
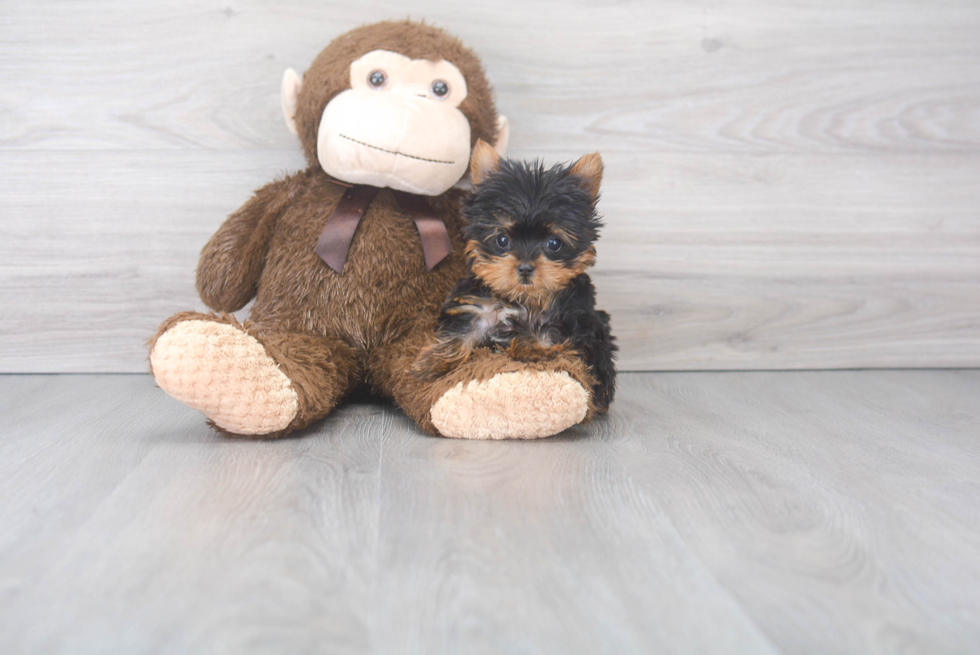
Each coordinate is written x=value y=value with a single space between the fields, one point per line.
x=503 y=242
x=377 y=79
x=440 y=89
x=554 y=244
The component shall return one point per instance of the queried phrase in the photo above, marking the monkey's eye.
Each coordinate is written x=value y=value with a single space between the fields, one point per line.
x=377 y=79
x=503 y=242
x=440 y=89
x=554 y=244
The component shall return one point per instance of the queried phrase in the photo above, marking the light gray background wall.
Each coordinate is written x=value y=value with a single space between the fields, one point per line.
x=789 y=184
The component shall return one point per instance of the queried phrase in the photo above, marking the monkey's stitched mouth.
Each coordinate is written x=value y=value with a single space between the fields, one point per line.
x=395 y=152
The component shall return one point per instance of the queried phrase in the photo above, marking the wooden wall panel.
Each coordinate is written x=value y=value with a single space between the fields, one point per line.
x=788 y=185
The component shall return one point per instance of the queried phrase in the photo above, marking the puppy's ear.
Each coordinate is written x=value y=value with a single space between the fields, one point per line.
x=589 y=170
x=484 y=162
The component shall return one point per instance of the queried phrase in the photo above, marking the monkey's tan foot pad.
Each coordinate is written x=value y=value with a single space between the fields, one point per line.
x=517 y=405
x=225 y=373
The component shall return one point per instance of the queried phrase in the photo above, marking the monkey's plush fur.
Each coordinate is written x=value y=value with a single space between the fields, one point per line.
x=315 y=335
x=530 y=237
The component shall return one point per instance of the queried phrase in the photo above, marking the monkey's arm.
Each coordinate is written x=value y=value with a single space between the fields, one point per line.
x=232 y=260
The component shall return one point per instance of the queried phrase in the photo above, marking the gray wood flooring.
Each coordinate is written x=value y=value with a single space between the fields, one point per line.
x=758 y=512
x=789 y=184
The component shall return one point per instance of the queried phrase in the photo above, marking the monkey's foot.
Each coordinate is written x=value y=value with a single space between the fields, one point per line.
x=225 y=373
x=513 y=405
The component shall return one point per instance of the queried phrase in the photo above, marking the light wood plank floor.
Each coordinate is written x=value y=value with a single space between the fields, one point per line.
x=789 y=512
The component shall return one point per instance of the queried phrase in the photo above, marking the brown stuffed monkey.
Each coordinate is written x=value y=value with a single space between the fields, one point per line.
x=349 y=260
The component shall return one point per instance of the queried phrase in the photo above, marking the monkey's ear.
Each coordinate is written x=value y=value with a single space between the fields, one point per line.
x=589 y=170
x=503 y=135
x=290 y=91
x=484 y=162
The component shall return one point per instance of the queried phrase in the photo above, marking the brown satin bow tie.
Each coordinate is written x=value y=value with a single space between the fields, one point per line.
x=334 y=241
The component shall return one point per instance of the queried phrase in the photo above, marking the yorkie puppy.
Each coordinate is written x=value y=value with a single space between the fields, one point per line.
x=530 y=237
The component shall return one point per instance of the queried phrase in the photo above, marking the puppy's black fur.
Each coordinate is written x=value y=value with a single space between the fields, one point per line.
x=530 y=237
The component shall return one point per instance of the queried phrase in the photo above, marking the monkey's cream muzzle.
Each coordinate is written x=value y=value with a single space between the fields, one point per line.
x=398 y=126
x=394 y=139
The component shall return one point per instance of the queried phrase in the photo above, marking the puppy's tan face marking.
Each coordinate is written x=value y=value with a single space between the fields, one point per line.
x=555 y=276
x=505 y=222
x=499 y=272
x=564 y=235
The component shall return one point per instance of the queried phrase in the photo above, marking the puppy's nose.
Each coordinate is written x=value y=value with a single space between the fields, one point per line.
x=525 y=270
